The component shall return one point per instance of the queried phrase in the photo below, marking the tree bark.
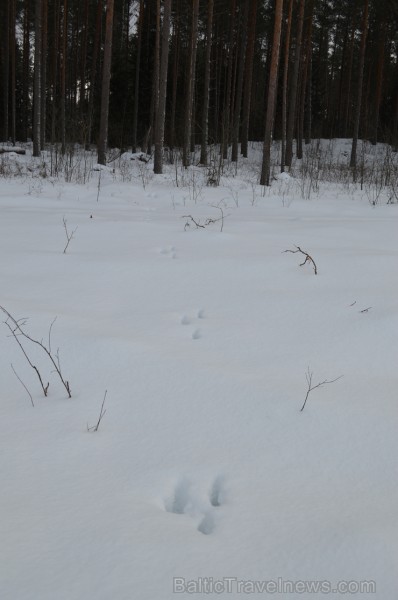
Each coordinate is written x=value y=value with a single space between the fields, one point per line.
x=272 y=93
x=161 y=108
x=239 y=86
x=284 y=84
x=248 y=78
x=364 y=28
x=293 y=87
x=106 y=80
x=206 y=85
x=137 y=75
x=43 y=82
x=190 y=84
x=37 y=81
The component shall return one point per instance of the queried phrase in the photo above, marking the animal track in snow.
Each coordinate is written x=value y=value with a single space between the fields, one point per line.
x=188 y=320
x=178 y=502
x=207 y=525
x=216 y=492
x=187 y=499
x=169 y=251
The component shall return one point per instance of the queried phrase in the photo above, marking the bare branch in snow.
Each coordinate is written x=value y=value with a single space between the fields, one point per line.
x=311 y=387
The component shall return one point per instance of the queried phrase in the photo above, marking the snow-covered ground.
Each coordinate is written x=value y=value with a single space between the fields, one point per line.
x=203 y=468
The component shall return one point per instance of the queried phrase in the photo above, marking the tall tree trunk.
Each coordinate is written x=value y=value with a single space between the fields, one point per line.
x=304 y=77
x=285 y=80
x=176 y=45
x=63 y=76
x=239 y=85
x=248 y=77
x=206 y=85
x=226 y=117
x=94 y=68
x=13 y=70
x=6 y=74
x=272 y=93
x=106 y=80
x=293 y=87
x=83 y=75
x=25 y=70
x=137 y=75
x=364 y=28
x=44 y=73
x=155 y=81
x=54 y=71
x=190 y=84
x=379 y=80
x=37 y=81
x=161 y=109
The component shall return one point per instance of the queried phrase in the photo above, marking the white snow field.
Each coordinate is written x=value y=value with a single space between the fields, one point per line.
x=204 y=478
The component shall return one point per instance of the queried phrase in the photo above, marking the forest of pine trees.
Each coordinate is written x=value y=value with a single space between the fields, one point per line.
x=156 y=74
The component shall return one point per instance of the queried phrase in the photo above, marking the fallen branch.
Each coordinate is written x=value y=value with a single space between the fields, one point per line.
x=209 y=221
x=102 y=413
x=311 y=387
x=308 y=258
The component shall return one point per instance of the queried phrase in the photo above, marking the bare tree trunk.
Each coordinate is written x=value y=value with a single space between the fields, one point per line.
x=54 y=70
x=239 y=86
x=379 y=80
x=6 y=74
x=155 y=82
x=94 y=67
x=353 y=160
x=63 y=76
x=106 y=80
x=190 y=85
x=44 y=73
x=83 y=76
x=161 y=109
x=226 y=117
x=137 y=75
x=37 y=81
x=172 y=136
x=248 y=78
x=272 y=93
x=304 y=76
x=13 y=70
x=206 y=86
x=293 y=87
x=25 y=70
x=284 y=85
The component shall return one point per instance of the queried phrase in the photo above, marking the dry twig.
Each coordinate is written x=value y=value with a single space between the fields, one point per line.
x=22 y=383
x=69 y=235
x=311 y=387
x=209 y=221
x=308 y=258
x=102 y=413
x=16 y=328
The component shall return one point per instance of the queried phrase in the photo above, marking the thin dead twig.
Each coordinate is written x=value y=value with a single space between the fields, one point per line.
x=101 y=415
x=69 y=235
x=311 y=387
x=22 y=383
x=209 y=221
x=308 y=258
x=16 y=330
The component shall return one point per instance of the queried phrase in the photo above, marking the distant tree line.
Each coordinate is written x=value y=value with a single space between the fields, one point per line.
x=151 y=74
